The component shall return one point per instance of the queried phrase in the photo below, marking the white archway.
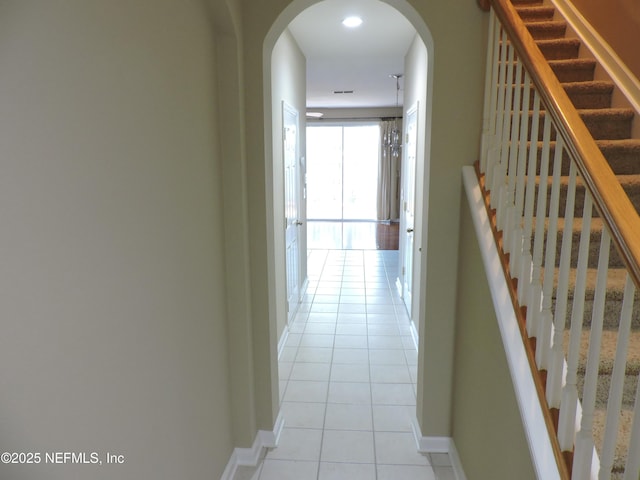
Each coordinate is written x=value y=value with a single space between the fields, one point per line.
x=275 y=277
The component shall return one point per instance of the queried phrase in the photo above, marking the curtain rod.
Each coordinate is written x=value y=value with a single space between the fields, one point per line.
x=353 y=119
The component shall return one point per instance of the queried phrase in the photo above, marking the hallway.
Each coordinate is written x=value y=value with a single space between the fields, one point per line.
x=348 y=378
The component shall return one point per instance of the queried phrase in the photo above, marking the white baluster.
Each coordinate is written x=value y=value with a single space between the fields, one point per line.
x=584 y=439
x=493 y=158
x=632 y=467
x=567 y=421
x=509 y=206
x=527 y=259
x=556 y=368
x=534 y=303
x=517 y=244
x=614 y=403
x=491 y=91
x=507 y=119
x=543 y=343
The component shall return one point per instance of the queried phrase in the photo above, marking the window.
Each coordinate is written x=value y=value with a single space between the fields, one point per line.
x=342 y=171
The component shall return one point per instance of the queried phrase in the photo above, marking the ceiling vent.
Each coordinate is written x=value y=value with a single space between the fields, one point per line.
x=342 y=91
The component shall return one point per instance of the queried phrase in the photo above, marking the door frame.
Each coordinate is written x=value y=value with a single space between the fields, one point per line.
x=408 y=183
x=290 y=115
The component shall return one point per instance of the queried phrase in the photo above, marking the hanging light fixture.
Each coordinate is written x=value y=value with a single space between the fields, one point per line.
x=392 y=137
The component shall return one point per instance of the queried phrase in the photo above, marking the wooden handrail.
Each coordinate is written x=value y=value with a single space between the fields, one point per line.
x=610 y=199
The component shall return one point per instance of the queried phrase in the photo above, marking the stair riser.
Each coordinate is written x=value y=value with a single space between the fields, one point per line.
x=581 y=99
x=611 y=312
x=601 y=127
x=615 y=261
x=546 y=31
x=559 y=50
x=526 y=2
x=632 y=190
x=623 y=161
x=536 y=14
x=604 y=384
x=574 y=72
x=555 y=49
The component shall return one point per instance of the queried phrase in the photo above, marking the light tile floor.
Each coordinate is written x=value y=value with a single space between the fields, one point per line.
x=348 y=378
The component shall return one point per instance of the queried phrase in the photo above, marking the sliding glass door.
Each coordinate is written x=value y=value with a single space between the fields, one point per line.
x=342 y=171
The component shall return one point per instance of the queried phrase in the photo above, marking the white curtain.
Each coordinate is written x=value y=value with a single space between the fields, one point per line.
x=389 y=170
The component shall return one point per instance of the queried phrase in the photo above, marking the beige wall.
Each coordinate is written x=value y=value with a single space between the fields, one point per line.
x=487 y=428
x=113 y=290
x=288 y=81
x=618 y=22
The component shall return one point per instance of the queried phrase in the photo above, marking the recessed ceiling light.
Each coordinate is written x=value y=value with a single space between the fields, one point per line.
x=352 y=22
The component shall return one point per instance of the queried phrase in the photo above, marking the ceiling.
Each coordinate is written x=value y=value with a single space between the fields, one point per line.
x=359 y=59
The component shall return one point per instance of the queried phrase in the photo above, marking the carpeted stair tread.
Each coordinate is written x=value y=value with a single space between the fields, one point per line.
x=629 y=183
x=623 y=156
x=615 y=261
x=547 y=30
x=608 y=354
x=589 y=95
x=616 y=279
x=573 y=70
x=526 y=2
x=608 y=123
x=603 y=123
x=559 y=48
x=536 y=13
x=584 y=95
x=624 y=435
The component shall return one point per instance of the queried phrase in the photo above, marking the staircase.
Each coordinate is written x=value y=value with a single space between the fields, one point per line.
x=611 y=127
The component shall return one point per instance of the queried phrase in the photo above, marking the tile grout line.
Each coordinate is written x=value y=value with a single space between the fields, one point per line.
x=373 y=427
x=326 y=399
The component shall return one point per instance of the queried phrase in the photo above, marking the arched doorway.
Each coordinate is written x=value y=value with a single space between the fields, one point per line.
x=420 y=81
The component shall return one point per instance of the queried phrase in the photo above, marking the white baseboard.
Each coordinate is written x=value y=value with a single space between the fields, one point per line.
x=439 y=445
x=251 y=457
x=283 y=340
x=414 y=333
x=456 y=463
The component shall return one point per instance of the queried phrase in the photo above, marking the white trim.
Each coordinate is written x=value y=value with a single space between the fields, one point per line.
x=439 y=445
x=542 y=454
x=283 y=340
x=456 y=463
x=251 y=457
x=414 y=333
x=626 y=81
x=399 y=287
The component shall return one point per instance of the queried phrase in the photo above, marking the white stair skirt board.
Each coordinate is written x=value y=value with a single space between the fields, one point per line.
x=540 y=447
x=251 y=457
x=439 y=445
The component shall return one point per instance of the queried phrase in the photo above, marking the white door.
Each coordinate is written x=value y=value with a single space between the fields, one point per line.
x=408 y=205
x=290 y=132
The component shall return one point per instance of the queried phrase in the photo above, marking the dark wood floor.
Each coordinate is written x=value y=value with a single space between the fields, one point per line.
x=352 y=235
